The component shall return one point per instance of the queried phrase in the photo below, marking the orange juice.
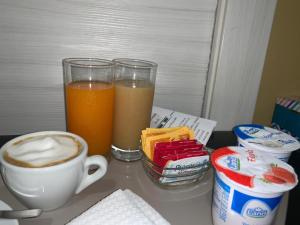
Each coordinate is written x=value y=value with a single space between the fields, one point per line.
x=90 y=113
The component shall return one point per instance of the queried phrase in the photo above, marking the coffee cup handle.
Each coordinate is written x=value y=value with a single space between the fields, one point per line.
x=88 y=179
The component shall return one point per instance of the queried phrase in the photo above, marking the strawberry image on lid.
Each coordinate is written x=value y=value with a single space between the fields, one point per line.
x=254 y=170
x=279 y=175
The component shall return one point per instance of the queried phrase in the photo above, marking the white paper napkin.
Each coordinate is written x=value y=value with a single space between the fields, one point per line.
x=120 y=208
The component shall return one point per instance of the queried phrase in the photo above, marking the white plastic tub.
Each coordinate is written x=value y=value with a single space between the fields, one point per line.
x=245 y=190
x=266 y=139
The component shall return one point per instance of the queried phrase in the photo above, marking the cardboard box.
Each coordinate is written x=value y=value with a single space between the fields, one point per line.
x=286 y=115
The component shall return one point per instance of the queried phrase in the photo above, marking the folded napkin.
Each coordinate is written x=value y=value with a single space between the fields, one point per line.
x=120 y=208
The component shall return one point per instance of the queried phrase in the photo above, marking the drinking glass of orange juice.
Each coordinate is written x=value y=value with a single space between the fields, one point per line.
x=89 y=98
x=134 y=82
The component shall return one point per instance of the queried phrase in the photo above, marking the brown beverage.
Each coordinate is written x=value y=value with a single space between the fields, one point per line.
x=133 y=106
x=42 y=150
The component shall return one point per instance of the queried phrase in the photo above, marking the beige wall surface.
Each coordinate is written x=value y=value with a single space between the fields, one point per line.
x=281 y=74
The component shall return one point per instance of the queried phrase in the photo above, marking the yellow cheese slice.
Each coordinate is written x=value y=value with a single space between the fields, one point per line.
x=150 y=139
x=155 y=131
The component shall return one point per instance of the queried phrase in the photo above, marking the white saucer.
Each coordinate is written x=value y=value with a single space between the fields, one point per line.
x=4 y=206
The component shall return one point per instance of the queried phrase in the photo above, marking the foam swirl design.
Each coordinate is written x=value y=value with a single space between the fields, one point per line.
x=43 y=151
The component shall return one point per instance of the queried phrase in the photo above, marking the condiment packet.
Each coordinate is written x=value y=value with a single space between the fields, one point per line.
x=151 y=136
x=164 y=160
x=175 y=154
x=179 y=157
x=174 y=150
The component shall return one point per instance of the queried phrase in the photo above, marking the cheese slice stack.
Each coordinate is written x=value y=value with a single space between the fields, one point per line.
x=151 y=136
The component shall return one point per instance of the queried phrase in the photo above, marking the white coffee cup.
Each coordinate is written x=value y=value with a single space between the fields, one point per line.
x=51 y=187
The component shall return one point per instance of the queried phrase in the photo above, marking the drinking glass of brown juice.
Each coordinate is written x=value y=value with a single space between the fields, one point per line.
x=134 y=90
x=89 y=98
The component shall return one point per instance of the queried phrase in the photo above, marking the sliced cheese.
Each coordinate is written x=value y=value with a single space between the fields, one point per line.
x=155 y=131
x=149 y=139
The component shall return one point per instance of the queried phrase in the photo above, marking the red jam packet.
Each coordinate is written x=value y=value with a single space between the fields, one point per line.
x=175 y=143
x=165 y=159
x=161 y=151
x=176 y=150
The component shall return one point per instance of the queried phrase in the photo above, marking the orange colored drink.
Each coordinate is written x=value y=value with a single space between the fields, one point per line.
x=90 y=113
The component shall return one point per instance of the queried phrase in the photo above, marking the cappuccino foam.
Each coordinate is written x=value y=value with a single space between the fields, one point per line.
x=42 y=151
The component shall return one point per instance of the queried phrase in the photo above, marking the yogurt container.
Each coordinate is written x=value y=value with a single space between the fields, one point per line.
x=249 y=185
x=266 y=139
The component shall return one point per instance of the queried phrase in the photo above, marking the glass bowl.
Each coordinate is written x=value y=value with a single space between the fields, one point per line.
x=175 y=176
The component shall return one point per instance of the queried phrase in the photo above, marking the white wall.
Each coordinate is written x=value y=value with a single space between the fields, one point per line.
x=240 y=45
x=35 y=35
